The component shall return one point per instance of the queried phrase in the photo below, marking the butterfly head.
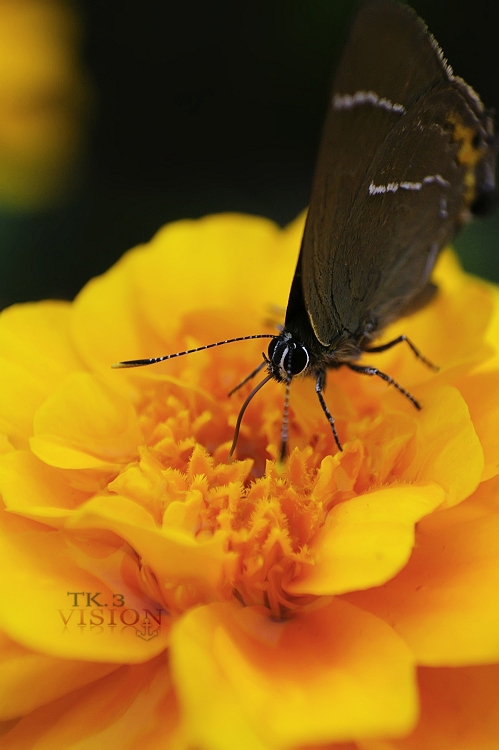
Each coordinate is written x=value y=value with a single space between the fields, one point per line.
x=287 y=357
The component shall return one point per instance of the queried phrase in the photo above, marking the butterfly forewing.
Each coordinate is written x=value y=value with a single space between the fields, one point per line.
x=391 y=126
x=410 y=204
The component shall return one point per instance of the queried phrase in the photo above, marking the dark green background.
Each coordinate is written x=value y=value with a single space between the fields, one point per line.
x=212 y=106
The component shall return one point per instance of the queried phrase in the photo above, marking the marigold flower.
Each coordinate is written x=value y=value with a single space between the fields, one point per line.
x=156 y=596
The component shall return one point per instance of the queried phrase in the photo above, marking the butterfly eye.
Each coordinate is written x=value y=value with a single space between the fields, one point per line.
x=278 y=351
x=288 y=357
x=299 y=359
x=272 y=347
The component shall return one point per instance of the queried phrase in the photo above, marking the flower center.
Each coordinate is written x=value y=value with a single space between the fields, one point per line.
x=263 y=518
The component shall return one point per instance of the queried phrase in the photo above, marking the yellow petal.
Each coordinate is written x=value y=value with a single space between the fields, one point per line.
x=84 y=425
x=29 y=680
x=133 y=310
x=480 y=393
x=46 y=574
x=448 y=450
x=20 y=396
x=459 y=711
x=366 y=541
x=322 y=676
x=35 y=490
x=36 y=336
x=491 y=336
x=36 y=355
x=451 y=329
x=444 y=603
x=131 y=708
x=193 y=570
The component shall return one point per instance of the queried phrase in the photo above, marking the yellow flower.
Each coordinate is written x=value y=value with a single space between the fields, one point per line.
x=156 y=596
x=42 y=95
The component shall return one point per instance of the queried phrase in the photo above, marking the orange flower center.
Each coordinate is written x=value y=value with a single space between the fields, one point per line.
x=268 y=515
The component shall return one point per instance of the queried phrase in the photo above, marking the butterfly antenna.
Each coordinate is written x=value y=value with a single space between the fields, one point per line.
x=241 y=413
x=154 y=360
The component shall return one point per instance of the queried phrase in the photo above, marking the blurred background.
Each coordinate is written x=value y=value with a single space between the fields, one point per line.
x=118 y=117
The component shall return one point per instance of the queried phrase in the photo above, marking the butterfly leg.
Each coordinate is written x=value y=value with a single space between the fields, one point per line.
x=399 y=340
x=366 y=370
x=319 y=387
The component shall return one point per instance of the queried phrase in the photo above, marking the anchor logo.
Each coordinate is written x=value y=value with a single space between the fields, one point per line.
x=146 y=632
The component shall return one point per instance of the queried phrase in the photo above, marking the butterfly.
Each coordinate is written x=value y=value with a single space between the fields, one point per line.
x=407 y=156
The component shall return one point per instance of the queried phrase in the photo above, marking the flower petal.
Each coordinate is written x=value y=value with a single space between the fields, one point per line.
x=47 y=678
x=448 y=451
x=325 y=675
x=451 y=328
x=20 y=396
x=484 y=414
x=133 y=707
x=39 y=607
x=34 y=490
x=444 y=603
x=176 y=558
x=459 y=711
x=36 y=354
x=84 y=425
x=121 y=315
x=491 y=336
x=36 y=336
x=366 y=541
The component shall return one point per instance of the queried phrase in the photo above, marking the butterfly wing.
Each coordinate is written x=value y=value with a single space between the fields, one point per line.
x=398 y=164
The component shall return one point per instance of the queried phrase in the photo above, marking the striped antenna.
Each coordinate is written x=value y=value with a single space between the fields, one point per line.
x=153 y=360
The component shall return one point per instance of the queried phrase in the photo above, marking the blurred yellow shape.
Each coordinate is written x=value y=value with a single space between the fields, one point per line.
x=42 y=95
